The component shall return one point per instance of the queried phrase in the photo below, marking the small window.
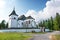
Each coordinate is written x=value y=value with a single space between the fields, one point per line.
x=29 y=21
x=22 y=23
x=14 y=18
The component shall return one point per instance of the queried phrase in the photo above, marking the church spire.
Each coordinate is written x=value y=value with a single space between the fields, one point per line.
x=14 y=8
x=13 y=12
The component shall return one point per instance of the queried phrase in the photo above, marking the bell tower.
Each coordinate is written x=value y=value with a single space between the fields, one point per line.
x=13 y=17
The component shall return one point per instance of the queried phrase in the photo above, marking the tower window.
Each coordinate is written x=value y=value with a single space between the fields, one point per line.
x=14 y=18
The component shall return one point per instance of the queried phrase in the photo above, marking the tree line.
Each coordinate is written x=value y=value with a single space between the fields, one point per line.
x=51 y=23
x=3 y=25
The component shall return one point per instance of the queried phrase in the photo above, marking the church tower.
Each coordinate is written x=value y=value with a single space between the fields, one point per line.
x=13 y=17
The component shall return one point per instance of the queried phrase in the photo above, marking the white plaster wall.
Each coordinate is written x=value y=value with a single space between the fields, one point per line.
x=12 y=16
x=13 y=23
x=32 y=23
x=9 y=24
x=20 y=23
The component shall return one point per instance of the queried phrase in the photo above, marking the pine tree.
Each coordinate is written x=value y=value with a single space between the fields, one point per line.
x=57 y=22
x=46 y=24
x=56 y=26
x=49 y=24
x=52 y=23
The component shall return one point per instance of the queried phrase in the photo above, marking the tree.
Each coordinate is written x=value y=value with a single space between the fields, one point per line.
x=2 y=24
x=6 y=26
x=43 y=23
x=49 y=24
x=58 y=19
x=56 y=26
x=40 y=24
x=52 y=23
x=46 y=23
x=57 y=22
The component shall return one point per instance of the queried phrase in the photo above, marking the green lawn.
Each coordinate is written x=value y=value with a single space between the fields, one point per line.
x=17 y=35
x=14 y=36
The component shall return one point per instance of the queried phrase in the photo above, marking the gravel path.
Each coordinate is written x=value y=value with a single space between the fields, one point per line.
x=44 y=36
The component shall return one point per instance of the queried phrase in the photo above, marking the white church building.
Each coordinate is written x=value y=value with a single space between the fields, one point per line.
x=21 y=22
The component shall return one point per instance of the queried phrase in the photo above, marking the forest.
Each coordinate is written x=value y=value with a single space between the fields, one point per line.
x=51 y=23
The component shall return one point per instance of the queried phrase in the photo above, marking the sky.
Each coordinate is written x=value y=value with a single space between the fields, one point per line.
x=38 y=9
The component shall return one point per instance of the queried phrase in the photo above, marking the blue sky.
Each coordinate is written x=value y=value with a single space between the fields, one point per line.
x=31 y=4
x=21 y=7
x=24 y=5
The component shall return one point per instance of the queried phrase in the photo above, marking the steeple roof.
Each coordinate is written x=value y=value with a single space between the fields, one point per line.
x=13 y=12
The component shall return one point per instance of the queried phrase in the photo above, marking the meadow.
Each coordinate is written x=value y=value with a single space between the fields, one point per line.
x=14 y=36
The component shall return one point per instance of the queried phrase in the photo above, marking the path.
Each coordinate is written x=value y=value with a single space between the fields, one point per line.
x=44 y=36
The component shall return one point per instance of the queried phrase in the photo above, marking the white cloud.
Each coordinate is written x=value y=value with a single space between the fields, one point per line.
x=31 y=13
x=2 y=3
x=51 y=8
x=2 y=11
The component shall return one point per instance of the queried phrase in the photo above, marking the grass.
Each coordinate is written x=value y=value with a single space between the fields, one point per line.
x=13 y=36
x=17 y=35
x=56 y=37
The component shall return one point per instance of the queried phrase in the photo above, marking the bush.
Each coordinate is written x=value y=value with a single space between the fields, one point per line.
x=33 y=31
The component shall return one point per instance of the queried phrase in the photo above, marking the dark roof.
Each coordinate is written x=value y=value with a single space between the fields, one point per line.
x=13 y=13
x=29 y=17
x=22 y=17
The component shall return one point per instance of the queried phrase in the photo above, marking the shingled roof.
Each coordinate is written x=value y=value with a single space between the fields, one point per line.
x=29 y=17
x=13 y=13
x=22 y=17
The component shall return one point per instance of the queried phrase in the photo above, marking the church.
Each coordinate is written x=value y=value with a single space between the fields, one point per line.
x=20 y=22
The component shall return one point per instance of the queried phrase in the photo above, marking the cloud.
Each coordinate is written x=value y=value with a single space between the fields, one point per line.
x=52 y=7
x=2 y=3
x=2 y=11
x=31 y=13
